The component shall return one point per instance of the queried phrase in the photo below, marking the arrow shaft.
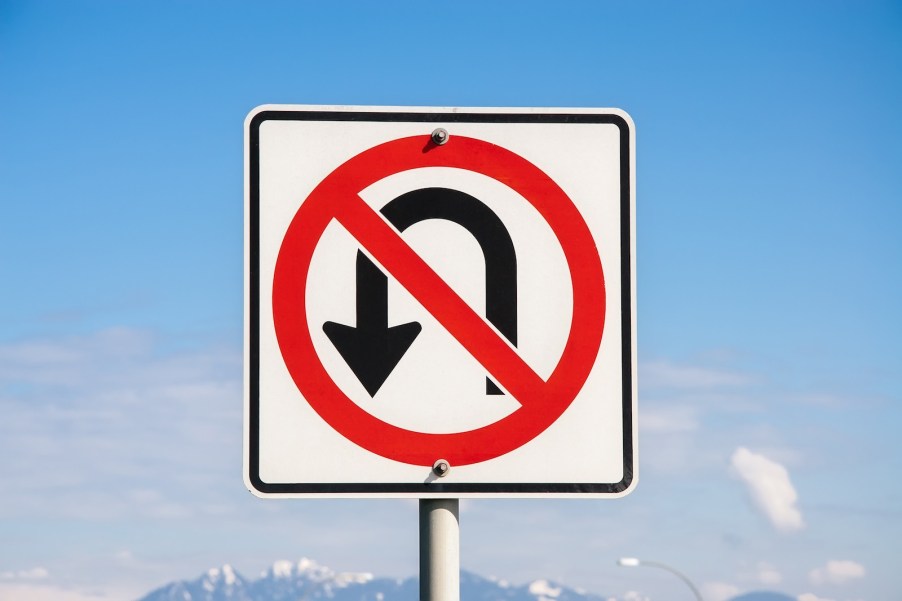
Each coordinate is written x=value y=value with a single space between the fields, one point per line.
x=372 y=295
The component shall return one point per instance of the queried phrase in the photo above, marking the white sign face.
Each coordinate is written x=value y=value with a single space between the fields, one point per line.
x=451 y=287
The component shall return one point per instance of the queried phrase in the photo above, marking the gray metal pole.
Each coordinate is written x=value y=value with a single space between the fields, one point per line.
x=439 y=550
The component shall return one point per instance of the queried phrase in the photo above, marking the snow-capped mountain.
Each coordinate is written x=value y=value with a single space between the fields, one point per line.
x=306 y=580
x=217 y=584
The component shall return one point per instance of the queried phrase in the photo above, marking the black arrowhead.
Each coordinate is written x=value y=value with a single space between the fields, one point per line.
x=370 y=353
x=371 y=349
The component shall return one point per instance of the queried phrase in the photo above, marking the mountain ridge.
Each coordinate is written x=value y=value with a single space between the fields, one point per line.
x=310 y=581
x=307 y=580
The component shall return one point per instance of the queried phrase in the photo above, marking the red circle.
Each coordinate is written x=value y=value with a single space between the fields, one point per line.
x=348 y=418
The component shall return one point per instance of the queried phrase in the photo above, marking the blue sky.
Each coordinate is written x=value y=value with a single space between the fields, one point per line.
x=768 y=286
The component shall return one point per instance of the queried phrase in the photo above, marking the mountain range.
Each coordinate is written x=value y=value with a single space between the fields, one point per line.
x=306 y=580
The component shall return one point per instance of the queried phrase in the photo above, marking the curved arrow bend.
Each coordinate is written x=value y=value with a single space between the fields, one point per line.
x=372 y=349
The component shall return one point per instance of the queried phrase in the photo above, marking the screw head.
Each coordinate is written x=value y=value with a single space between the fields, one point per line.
x=440 y=136
x=441 y=468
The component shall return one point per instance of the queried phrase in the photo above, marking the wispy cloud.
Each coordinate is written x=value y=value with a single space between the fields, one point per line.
x=770 y=488
x=677 y=398
x=837 y=571
x=719 y=591
x=47 y=592
x=634 y=596
x=767 y=574
x=811 y=597
x=662 y=419
x=663 y=374
x=34 y=584
x=37 y=573
x=101 y=424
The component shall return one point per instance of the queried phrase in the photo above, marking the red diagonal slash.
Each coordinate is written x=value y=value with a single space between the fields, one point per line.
x=427 y=287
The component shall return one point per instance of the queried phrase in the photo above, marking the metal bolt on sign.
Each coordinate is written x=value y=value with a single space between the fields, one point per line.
x=440 y=136
x=441 y=468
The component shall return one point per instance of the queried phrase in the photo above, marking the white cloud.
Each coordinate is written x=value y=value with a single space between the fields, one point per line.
x=38 y=573
x=112 y=424
x=32 y=592
x=811 y=597
x=670 y=427
x=668 y=420
x=542 y=588
x=770 y=488
x=837 y=572
x=664 y=374
x=719 y=591
x=768 y=575
x=760 y=574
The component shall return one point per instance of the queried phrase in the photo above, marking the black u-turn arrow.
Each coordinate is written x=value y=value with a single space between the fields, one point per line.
x=371 y=349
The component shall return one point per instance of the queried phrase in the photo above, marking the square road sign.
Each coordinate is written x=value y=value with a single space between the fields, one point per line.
x=440 y=302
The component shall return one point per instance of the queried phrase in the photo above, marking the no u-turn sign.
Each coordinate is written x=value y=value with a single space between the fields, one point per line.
x=440 y=302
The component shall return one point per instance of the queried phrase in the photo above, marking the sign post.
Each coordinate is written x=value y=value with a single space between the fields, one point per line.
x=440 y=304
x=439 y=550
